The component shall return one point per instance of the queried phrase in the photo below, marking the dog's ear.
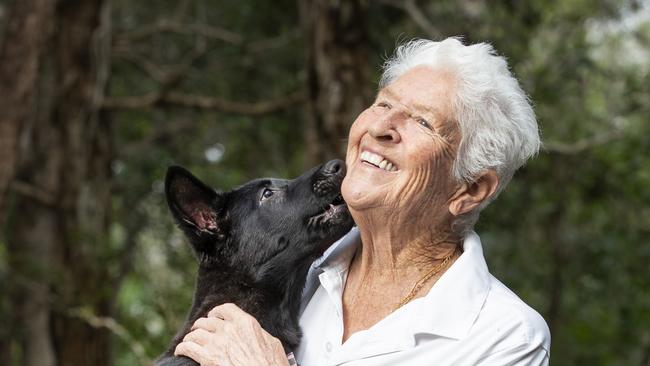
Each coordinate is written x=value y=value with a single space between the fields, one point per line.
x=196 y=207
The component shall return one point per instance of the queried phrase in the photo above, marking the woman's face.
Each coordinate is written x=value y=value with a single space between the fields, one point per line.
x=401 y=149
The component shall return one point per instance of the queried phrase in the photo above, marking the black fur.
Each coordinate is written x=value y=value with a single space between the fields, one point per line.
x=255 y=244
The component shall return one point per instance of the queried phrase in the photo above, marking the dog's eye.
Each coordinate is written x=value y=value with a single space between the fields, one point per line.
x=266 y=193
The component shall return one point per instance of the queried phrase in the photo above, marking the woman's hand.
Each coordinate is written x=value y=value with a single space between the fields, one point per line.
x=230 y=336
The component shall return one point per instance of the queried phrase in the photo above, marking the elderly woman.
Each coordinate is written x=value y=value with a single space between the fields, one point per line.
x=409 y=285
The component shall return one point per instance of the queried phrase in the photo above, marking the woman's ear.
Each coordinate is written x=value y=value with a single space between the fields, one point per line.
x=471 y=195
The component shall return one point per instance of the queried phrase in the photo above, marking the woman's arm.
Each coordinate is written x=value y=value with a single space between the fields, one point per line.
x=230 y=336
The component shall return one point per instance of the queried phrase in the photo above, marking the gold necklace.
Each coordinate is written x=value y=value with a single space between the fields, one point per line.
x=418 y=285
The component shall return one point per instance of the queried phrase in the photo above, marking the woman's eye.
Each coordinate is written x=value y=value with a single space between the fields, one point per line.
x=383 y=105
x=424 y=123
x=267 y=193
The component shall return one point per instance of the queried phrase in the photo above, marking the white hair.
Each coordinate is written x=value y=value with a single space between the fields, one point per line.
x=495 y=117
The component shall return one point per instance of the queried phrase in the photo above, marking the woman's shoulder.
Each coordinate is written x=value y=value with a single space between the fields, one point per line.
x=514 y=321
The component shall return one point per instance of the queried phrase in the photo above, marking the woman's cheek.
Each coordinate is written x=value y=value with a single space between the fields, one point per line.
x=360 y=125
x=422 y=190
x=412 y=188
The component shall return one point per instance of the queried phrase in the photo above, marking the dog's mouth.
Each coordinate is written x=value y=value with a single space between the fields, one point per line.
x=330 y=218
x=331 y=213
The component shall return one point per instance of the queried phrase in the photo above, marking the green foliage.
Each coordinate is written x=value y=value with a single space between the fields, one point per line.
x=222 y=149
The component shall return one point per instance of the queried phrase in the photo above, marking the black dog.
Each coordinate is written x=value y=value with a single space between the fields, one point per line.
x=255 y=244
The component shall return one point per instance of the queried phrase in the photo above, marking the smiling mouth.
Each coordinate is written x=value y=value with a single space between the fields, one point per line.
x=378 y=161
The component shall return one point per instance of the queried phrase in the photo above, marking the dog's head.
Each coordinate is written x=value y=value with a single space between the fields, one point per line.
x=266 y=227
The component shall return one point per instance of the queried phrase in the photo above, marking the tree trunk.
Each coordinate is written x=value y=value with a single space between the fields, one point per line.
x=59 y=237
x=338 y=81
x=29 y=27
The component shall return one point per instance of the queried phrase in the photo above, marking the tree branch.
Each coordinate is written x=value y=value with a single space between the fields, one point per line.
x=274 y=42
x=152 y=69
x=174 y=128
x=123 y=41
x=177 y=74
x=203 y=102
x=178 y=27
x=581 y=145
x=34 y=192
x=168 y=76
x=411 y=8
x=116 y=328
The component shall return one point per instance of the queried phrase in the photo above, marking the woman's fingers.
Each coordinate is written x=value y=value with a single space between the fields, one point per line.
x=209 y=324
x=227 y=311
x=231 y=313
x=230 y=336
x=198 y=336
x=195 y=352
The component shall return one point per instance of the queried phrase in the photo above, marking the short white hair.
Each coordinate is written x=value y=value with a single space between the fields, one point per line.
x=495 y=117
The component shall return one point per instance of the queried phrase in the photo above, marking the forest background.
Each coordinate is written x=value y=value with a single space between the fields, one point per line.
x=99 y=97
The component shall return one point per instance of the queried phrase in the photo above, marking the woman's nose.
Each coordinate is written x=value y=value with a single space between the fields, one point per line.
x=383 y=128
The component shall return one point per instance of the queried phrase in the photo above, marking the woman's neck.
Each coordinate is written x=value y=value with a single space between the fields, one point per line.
x=394 y=248
x=390 y=262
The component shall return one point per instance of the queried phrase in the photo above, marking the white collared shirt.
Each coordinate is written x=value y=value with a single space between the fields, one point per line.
x=467 y=318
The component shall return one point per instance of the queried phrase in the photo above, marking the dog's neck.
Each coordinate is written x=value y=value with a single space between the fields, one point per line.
x=275 y=306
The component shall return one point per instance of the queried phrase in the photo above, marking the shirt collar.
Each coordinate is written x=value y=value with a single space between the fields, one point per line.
x=453 y=303
x=337 y=257
x=455 y=300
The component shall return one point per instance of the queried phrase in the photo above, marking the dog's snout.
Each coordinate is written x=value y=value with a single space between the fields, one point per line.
x=328 y=178
x=334 y=167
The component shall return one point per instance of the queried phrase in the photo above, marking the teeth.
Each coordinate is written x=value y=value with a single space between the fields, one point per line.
x=378 y=161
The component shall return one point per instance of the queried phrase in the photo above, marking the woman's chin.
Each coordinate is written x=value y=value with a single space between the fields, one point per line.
x=361 y=192
x=359 y=199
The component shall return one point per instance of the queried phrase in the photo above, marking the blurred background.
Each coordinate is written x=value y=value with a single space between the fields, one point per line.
x=99 y=97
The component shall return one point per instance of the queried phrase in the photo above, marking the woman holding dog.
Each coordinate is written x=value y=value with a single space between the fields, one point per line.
x=409 y=285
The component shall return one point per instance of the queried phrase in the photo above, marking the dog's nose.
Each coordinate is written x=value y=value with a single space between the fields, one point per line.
x=334 y=167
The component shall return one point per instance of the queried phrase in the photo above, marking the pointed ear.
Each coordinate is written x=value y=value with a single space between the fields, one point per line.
x=195 y=206
x=471 y=195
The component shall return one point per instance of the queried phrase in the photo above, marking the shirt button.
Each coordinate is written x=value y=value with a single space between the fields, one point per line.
x=328 y=347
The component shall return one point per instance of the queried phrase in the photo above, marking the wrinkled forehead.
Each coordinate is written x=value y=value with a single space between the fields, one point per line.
x=425 y=90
